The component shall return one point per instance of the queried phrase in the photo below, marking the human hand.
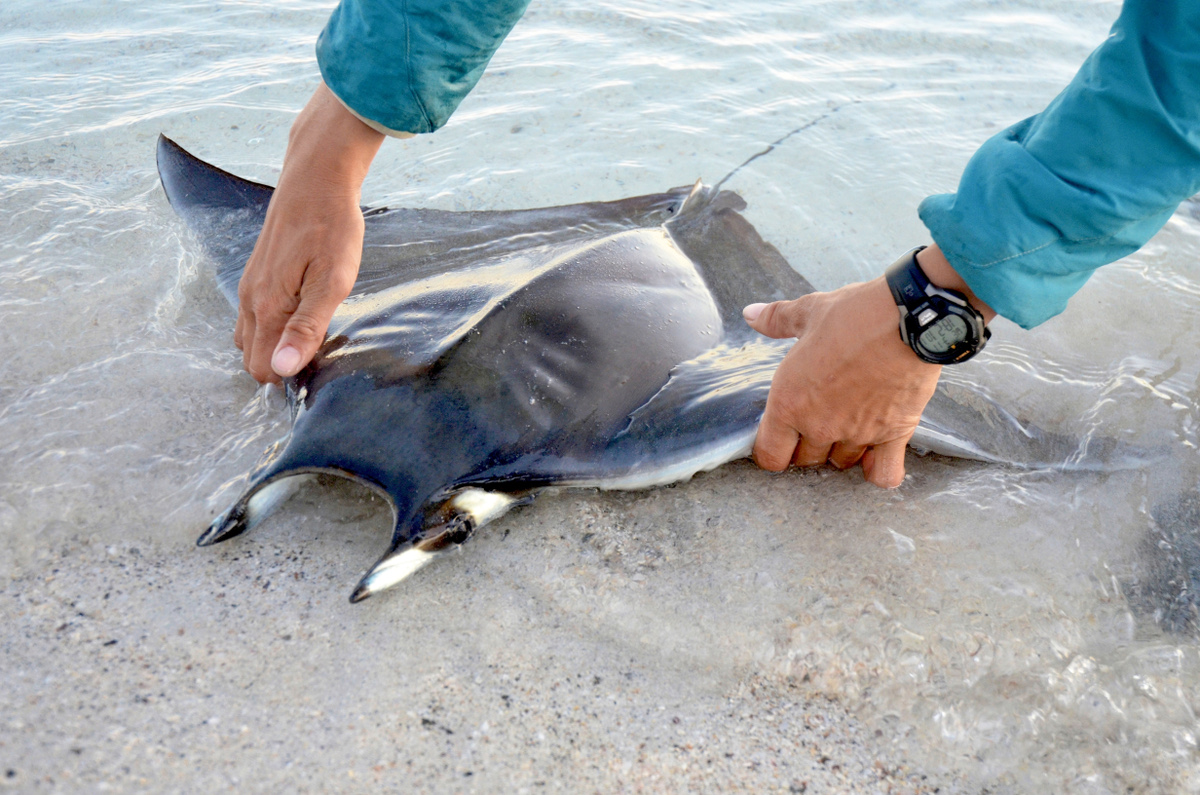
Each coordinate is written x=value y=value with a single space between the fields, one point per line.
x=850 y=389
x=307 y=255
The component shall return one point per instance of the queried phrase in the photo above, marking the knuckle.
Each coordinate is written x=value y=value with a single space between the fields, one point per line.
x=260 y=305
x=340 y=282
x=812 y=449
x=846 y=461
x=774 y=444
x=305 y=326
x=271 y=305
x=777 y=317
x=800 y=306
x=794 y=315
x=842 y=458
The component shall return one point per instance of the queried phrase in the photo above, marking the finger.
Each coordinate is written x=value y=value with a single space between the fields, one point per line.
x=883 y=464
x=780 y=319
x=237 y=330
x=258 y=352
x=775 y=442
x=811 y=453
x=844 y=456
x=305 y=329
x=247 y=323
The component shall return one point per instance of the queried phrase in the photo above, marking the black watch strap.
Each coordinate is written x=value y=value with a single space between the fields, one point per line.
x=908 y=282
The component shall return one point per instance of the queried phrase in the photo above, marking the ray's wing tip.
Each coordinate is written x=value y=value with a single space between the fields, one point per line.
x=171 y=160
x=1114 y=455
x=361 y=593
x=164 y=149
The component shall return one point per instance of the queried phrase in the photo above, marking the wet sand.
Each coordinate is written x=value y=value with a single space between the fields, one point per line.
x=556 y=653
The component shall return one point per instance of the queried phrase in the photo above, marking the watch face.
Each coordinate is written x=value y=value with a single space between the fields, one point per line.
x=944 y=334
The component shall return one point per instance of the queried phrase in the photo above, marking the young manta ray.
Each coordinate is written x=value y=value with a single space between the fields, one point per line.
x=484 y=355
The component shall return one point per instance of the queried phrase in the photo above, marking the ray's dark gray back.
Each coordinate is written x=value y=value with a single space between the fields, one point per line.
x=402 y=245
x=739 y=267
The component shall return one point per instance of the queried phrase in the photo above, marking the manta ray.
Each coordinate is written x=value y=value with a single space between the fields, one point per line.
x=484 y=356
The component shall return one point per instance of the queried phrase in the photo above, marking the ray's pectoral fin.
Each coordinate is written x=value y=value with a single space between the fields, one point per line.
x=962 y=422
x=443 y=528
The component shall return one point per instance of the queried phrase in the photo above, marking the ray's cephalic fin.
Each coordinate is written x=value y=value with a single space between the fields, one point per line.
x=445 y=527
x=272 y=483
x=445 y=524
x=256 y=504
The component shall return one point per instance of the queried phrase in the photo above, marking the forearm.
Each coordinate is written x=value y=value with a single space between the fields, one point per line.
x=1087 y=181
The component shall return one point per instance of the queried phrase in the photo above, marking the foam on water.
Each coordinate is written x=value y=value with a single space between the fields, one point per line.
x=979 y=618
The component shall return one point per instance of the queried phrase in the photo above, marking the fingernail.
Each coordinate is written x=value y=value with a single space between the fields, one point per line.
x=752 y=312
x=286 y=360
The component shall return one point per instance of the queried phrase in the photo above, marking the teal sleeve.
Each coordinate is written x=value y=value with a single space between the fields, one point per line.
x=1088 y=180
x=407 y=64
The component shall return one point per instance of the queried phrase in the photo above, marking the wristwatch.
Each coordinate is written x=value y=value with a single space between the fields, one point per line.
x=939 y=325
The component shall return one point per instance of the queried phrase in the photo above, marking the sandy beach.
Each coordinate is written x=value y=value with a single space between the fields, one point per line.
x=554 y=654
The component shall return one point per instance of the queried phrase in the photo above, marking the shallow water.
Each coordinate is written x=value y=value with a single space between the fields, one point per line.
x=998 y=621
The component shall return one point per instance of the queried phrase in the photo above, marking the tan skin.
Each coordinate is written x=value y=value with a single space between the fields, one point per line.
x=307 y=256
x=849 y=391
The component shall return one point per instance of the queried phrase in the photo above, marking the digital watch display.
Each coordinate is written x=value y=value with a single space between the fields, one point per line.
x=939 y=325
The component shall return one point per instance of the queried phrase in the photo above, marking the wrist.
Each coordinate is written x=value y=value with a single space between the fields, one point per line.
x=941 y=273
x=329 y=145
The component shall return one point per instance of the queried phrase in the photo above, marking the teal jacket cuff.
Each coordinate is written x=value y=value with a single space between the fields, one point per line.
x=407 y=64
x=1089 y=180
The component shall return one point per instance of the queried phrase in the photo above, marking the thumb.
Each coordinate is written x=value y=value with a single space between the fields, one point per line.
x=304 y=333
x=778 y=320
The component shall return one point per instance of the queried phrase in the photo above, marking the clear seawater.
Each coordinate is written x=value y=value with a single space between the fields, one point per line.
x=992 y=620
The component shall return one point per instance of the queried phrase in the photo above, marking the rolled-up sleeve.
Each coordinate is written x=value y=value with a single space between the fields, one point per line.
x=405 y=65
x=1089 y=180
